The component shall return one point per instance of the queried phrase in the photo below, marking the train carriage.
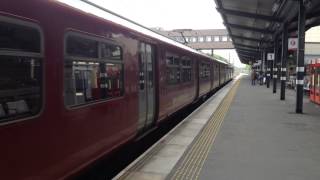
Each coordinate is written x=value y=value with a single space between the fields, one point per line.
x=75 y=86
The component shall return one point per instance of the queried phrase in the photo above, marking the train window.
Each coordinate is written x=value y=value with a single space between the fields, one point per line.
x=93 y=79
x=20 y=70
x=81 y=47
x=173 y=69
x=186 y=69
x=19 y=38
x=110 y=51
x=204 y=71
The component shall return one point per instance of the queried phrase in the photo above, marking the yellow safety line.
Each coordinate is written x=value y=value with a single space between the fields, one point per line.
x=199 y=149
x=194 y=159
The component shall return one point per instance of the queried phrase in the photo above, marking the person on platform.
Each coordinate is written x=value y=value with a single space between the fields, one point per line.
x=261 y=77
x=253 y=77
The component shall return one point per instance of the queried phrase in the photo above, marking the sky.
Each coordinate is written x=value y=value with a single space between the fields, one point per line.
x=171 y=14
x=168 y=14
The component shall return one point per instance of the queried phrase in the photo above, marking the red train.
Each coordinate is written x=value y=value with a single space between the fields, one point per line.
x=77 y=84
x=314 y=69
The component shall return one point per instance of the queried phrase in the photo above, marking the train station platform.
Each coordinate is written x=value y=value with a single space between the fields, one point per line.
x=243 y=132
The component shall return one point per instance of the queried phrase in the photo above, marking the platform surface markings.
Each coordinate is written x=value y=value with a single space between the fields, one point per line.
x=194 y=159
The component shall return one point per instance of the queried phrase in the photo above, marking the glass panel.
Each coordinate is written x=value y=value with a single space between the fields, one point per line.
x=173 y=75
x=19 y=38
x=110 y=51
x=186 y=69
x=114 y=80
x=176 y=61
x=204 y=71
x=142 y=66
x=91 y=81
x=169 y=60
x=20 y=87
x=149 y=66
x=82 y=47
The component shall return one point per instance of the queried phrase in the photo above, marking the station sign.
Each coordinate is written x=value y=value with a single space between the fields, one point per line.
x=292 y=44
x=270 y=56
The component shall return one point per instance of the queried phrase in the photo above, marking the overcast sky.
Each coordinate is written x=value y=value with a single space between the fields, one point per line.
x=168 y=14
x=171 y=14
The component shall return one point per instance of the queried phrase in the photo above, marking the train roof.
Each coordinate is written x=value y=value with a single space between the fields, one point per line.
x=98 y=11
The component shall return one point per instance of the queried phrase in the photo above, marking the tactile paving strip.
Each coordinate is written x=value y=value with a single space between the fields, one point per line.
x=190 y=166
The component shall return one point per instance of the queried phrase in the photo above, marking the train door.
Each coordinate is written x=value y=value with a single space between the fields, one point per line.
x=146 y=87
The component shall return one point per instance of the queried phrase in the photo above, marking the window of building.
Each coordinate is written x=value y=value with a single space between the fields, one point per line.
x=208 y=38
x=93 y=75
x=201 y=39
x=180 y=39
x=194 y=39
x=20 y=69
x=216 y=38
x=224 y=38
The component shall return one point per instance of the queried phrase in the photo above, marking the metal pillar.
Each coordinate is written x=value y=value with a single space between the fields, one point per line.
x=284 y=57
x=268 y=71
x=275 y=69
x=300 y=58
x=261 y=68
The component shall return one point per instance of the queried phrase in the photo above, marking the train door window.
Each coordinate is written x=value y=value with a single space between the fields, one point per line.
x=21 y=66
x=93 y=70
x=173 y=69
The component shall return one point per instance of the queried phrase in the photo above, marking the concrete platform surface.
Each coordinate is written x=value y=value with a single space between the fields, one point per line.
x=159 y=160
x=262 y=138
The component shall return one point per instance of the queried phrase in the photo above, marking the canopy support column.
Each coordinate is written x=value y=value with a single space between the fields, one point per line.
x=275 y=66
x=269 y=65
x=284 y=57
x=300 y=58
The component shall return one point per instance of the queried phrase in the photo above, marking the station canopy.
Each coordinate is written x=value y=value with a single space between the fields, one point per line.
x=253 y=24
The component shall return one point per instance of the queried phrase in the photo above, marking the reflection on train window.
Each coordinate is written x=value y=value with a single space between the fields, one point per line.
x=82 y=47
x=19 y=38
x=173 y=69
x=186 y=67
x=110 y=51
x=92 y=79
x=179 y=69
x=204 y=71
x=20 y=71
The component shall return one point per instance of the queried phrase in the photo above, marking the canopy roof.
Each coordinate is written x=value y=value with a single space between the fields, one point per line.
x=253 y=24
